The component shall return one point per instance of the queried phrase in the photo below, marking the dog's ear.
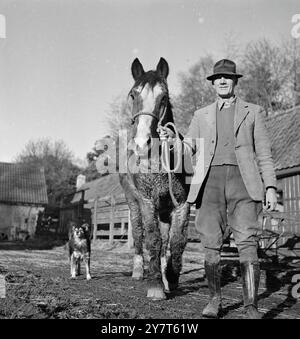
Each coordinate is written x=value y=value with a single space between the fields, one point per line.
x=86 y=227
x=72 y=226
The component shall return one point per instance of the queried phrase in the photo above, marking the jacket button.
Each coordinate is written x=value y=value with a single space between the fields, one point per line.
x=213 y=141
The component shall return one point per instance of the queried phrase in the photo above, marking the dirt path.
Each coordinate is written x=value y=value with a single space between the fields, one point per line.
x=38 y=286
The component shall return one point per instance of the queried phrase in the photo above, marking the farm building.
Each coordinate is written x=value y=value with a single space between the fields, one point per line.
x=23 y=194
x=284 y=132
x=109 y=210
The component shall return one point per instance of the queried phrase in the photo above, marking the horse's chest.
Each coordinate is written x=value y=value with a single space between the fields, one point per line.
x=153 y=186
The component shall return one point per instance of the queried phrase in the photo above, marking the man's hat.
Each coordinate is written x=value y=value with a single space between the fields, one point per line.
x=224 y=67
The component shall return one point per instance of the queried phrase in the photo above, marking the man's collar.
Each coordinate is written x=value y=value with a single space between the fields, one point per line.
x=225 y=103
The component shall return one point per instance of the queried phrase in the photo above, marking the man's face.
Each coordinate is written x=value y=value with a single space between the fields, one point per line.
x=224 y=86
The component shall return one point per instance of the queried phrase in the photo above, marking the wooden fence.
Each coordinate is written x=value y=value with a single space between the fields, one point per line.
x=111 y=219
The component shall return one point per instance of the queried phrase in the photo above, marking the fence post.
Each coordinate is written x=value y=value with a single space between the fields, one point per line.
x=111 y=224
x=129 y=236
x=95 y=219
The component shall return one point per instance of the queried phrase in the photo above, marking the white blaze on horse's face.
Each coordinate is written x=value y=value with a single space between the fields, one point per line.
x=149 y=101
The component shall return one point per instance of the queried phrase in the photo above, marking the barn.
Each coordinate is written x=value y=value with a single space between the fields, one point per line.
x=284 y=132
x=23 y=194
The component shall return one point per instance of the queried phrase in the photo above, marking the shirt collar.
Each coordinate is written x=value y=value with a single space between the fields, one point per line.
x=225 y=103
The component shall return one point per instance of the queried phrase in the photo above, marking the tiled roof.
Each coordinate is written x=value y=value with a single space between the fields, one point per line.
x=284 y=132
x=22 y=184
x=102 y=187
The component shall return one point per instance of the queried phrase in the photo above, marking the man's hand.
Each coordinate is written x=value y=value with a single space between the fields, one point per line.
x=165 y=133
x=271 y=199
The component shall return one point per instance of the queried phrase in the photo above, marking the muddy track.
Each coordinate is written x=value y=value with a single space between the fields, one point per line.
x=38 y=285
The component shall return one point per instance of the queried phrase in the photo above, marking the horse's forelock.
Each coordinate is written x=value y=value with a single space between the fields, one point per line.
x=151 y=78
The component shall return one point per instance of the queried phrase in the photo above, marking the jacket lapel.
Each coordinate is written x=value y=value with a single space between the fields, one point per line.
x=212 y=118
x=241 y=111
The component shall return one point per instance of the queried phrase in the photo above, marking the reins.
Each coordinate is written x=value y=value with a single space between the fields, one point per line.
x=165 y=161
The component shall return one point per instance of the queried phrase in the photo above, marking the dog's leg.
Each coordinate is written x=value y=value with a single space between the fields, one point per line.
x=73 y=266
x=87 y=261
x=78 y=267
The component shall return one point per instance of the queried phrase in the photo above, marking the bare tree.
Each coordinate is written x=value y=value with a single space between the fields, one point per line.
x=291 y=49
x=195 y=91
x=231 y=48
x=119 y=116
x=266 y=72
x=58 y=163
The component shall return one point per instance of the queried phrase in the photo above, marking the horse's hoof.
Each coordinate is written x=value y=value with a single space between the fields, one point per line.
x=88 y=277
x=138 y=267
x=156 y=293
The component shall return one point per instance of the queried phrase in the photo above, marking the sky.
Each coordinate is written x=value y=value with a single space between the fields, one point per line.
x=63 y=62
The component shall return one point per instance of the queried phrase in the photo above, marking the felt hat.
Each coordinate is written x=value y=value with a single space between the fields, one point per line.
x=224 y=67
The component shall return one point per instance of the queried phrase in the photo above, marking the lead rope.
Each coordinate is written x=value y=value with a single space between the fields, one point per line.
x=165 y=161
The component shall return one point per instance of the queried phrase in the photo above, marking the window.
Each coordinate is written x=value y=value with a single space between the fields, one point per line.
x=103 y=227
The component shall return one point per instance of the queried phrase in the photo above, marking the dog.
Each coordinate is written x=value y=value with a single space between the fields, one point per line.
x=79 y=248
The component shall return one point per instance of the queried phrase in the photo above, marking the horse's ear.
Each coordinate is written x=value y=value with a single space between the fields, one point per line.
x=163 y=68
x=137 y=69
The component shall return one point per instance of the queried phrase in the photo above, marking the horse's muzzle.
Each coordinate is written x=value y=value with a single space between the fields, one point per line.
x=142 y=146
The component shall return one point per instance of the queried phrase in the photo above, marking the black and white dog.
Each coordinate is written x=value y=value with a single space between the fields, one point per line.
x=79 y=248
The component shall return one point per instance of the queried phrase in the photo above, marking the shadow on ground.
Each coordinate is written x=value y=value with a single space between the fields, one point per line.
x=41 y=243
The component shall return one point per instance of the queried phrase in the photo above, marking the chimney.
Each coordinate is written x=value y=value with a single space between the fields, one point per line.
x=80 y=181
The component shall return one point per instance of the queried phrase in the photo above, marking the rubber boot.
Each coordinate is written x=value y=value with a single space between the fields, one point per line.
x=250 y=275
x=213 y=274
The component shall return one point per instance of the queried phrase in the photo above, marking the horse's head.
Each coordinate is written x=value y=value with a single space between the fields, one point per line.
x=148 y=101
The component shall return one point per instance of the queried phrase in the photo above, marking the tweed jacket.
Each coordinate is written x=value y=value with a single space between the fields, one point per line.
x=252 y=148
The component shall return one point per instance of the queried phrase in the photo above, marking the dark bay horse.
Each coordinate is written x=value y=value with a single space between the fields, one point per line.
x=154 y=216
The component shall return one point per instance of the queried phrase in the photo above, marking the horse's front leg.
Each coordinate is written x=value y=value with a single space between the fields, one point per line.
x=136 y=225
x=153 y=245
x=165 y=223
x=178 y=240
x=137 y=234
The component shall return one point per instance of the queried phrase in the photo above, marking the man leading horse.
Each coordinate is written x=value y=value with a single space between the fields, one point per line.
x=238 y=175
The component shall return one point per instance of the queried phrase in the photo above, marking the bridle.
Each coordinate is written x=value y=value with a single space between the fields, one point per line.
x=150 y=114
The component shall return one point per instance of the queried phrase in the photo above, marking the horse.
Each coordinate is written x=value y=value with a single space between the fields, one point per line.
x=157 y=200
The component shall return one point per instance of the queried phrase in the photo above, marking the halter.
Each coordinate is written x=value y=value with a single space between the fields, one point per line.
x=151 y=114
